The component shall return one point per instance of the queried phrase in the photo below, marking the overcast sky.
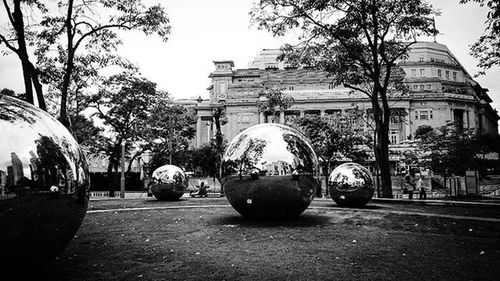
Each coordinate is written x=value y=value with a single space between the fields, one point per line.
x=204 y=31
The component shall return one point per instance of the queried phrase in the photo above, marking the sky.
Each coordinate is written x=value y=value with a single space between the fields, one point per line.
x=205 y=31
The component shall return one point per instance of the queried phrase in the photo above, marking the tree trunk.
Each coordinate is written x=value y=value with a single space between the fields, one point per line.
x=382 y=158
x=111 y=181
x=63 y=115
x=38 y=88
x=22 y=52
x=381 y=147
x=113 y=159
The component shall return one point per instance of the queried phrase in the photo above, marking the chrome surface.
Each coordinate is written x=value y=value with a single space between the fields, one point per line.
x=168 y=182
x=351 y=184
x=44 y=185
x=269 y=171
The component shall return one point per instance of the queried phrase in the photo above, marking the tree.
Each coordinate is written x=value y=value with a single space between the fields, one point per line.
x=359 y=42
x=167 y=128
x=331 y=143
x=82 y=27
x=123 y=107
x=276 y=102
x=451 y=149
x=487 y=47
x=423 y=130
x=219 y=117
x=17 y=42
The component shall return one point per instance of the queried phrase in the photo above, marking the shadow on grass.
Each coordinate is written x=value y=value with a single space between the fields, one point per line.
x=304 y=220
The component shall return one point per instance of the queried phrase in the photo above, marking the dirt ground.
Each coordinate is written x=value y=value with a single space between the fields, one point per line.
x=205 y=239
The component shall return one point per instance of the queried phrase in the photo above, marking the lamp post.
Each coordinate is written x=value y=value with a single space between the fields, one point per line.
x=146 y=158
x=122 y=178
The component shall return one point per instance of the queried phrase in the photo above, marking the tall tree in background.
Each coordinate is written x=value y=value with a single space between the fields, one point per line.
x=123 y=107
x=275 y=103
x=17 y=42
x=80 y=24
x=168 y=128
x=487 y=47
x=220 y=119
x=359 y=42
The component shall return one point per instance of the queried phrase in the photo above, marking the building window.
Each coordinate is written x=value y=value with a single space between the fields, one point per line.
x=440 y=73
x=421 y=59
x=416 y=115
x=429 y=87
x=394 y=137
x=422 y=72
x=422 y=87
x=395 y=119
x=222 y=89
x=331 y=86
x=447 y=74
x=291 y=88
x=425 y=114
x=414 y=72
x=455 y=75
x=415 y=87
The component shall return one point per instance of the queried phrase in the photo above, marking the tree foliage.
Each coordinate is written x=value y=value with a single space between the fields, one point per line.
x=487 y=47
x=359 y=42
x=17 y=39
x=76 y=25
x=423 y=131
x=168 y=129
x=331 y=143
x=276 y=102
x=451 y=150
x=69 y=36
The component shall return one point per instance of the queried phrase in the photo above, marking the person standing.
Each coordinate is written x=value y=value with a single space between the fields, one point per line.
x=410 y=183
x=422 y=194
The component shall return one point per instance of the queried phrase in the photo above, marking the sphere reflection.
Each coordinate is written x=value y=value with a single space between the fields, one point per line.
x=269 y=171
x=169 y=182
x=351 y=184
x=44 y=185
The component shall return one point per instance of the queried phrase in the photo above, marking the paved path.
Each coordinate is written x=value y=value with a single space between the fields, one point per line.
x=412 y=213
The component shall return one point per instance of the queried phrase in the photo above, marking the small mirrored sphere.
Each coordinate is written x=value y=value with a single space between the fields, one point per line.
x=168 y=182
x=44 y=186
x=351 y=184
x=269 y=171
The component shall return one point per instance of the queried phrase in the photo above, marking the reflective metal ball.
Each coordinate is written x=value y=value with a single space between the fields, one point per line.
x=169 y=182
x=269 y=171
x=44 y=186
x=351 y=184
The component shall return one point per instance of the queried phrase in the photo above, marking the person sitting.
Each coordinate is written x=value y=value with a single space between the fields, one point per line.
x=201 y=192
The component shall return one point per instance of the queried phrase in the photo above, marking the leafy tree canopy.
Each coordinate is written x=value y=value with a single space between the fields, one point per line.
x=487 y=47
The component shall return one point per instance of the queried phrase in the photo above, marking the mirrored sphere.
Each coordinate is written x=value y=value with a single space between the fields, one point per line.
x=351 y=184
x=44 y=186
x=269 y=171
x=168 y=182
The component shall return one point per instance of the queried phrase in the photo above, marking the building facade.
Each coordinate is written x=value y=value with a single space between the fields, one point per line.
x=440 y=91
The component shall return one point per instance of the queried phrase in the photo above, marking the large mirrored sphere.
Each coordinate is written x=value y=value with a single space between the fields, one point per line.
x=169 y=182
x=44 y=186
x=351 y=184
x=269 y=171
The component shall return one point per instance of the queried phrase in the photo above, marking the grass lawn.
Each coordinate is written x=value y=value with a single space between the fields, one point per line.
x=200 y=242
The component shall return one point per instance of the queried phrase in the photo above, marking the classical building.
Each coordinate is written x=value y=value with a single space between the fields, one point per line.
x=441 y=91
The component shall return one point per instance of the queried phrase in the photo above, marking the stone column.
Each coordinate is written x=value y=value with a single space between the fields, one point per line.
x=198 y=131
x=465 y=121
x=262 y=118
x=322 y=113
x=408 y=124
x=282 y=117
x=209 y=131
x=302 y=114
